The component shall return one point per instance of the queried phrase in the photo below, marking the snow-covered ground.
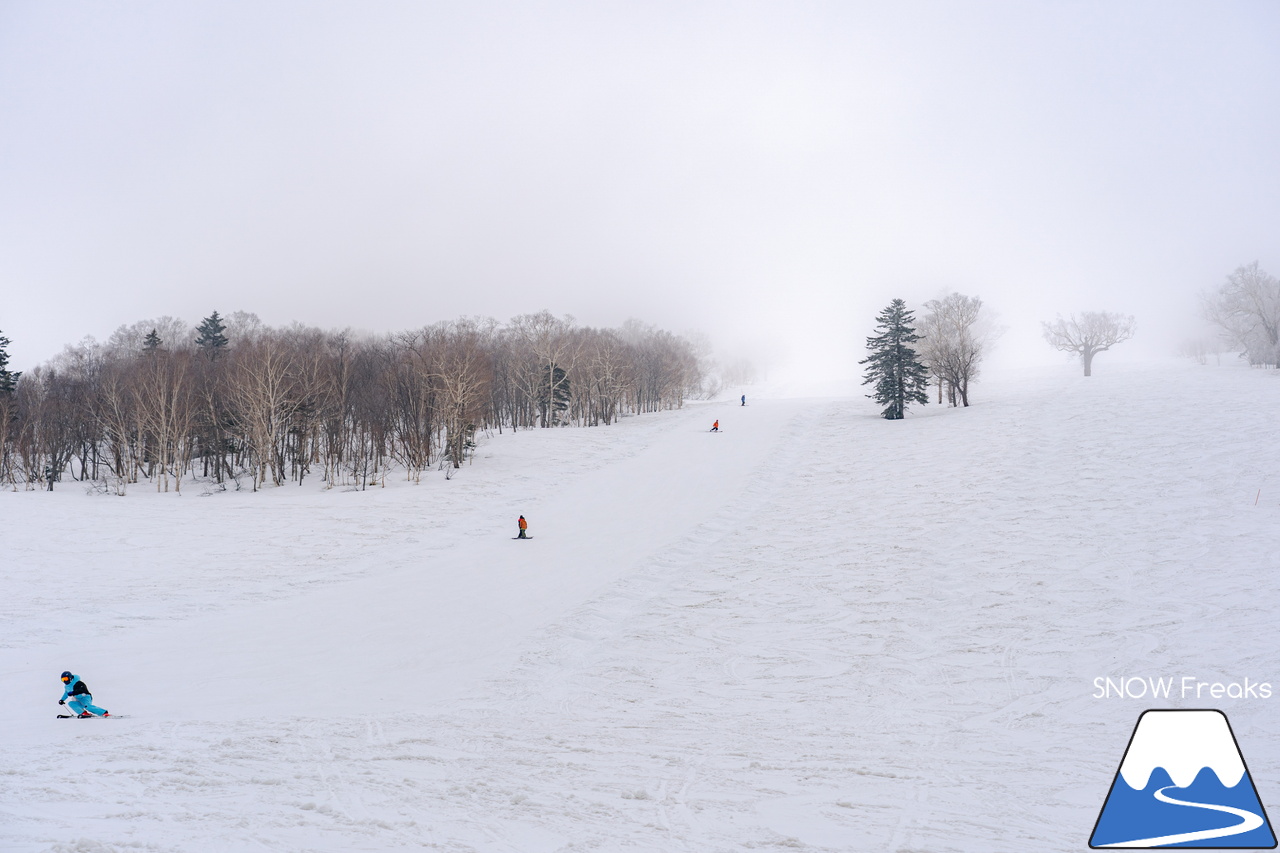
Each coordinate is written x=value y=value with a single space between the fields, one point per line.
x=818 y=630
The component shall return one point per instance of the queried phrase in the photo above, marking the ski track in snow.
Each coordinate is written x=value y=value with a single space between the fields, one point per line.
x=882 y=636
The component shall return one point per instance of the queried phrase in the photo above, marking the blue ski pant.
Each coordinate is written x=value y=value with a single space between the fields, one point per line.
x=84 y=702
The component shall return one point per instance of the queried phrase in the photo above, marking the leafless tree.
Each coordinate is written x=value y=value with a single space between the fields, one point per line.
x=242 y=325
x=1246 y=308
x=73 y=380
x=263 y=395
x=413 y=385
x=276 y=404
x=371 y=399
x=601 y=377
x=465 y=371
x=172 y=331
x=664 y=367
x=348 y=364
x=165 y=404
x=304 y=437
x=1093 y=332
x=548 y=341
x=955 y=337
x=49 y=409
x=8 y=423
x=117 y=418
x=212 y=414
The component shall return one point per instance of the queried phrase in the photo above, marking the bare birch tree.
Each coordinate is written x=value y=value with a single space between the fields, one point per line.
x=465 y=370
x=547 y=338
x=276 y=404
x=165 y=403
x=114 y=412
x=955 y=337
x=263 y=396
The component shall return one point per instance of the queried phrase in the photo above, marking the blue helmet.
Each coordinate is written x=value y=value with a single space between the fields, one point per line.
x=66 y=674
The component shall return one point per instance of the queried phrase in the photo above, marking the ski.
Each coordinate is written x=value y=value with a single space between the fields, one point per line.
x=78 y=717
x=521 y=537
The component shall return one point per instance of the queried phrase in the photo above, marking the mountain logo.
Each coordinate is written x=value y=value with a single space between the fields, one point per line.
x=1183 y=783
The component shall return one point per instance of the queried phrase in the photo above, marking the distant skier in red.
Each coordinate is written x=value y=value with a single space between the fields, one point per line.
x=715 y=427
x=524 y=525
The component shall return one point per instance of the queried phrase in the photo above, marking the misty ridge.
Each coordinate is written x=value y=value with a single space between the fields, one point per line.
x=233 y=401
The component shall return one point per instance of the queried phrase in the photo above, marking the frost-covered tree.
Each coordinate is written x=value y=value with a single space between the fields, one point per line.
x=1246 y=307
x=893 y=366
x=954 y=338
x=1093 y=332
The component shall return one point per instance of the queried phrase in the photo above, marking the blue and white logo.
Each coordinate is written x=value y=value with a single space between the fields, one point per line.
x=1183 y=783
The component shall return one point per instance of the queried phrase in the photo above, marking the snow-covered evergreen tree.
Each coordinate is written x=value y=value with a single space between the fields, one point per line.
x=893 y=366
x=151 y=342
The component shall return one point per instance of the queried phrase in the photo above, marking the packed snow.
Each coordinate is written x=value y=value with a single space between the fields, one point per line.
x=816 y=630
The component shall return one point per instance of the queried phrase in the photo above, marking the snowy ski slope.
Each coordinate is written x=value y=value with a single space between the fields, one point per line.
x=817 y=630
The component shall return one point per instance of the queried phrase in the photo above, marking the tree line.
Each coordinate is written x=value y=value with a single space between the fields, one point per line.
x=947 y=346
x=234 y=401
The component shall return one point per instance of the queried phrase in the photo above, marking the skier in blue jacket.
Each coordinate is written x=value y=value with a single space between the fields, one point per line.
x=76 y=696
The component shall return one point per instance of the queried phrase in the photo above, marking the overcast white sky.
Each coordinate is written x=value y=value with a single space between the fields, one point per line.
x=769 y=173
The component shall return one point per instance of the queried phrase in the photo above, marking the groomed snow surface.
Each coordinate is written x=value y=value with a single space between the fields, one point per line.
x=817 y=630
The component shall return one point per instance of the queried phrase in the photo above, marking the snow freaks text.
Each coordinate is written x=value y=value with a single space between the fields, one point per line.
x=1185 y=687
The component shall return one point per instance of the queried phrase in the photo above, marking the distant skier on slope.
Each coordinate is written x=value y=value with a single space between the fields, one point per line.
x=76 y=696
x=524 y=525
x=744 y=399
x=715 y=427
